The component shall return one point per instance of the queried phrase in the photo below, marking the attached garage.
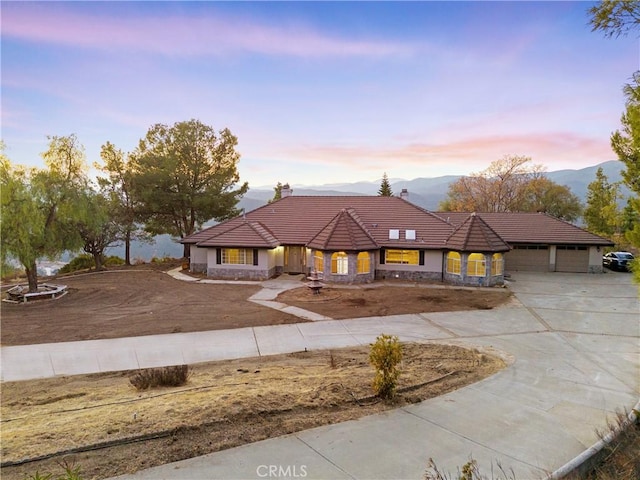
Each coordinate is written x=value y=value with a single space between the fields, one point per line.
x=572 y=258
x=529 y=258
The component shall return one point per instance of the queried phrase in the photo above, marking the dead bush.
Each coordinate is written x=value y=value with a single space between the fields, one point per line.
x=174 y=376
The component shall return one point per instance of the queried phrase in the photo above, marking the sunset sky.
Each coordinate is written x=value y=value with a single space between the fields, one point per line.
x=320 y=92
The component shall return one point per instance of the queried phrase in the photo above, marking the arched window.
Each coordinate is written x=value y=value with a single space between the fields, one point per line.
x=318 y=261
x=497 y=264
x=453 y=263
x=364 y=262
x=339 y=263
x=476 y=265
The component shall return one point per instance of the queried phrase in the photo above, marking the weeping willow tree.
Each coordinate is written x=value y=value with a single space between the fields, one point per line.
x=39 y=206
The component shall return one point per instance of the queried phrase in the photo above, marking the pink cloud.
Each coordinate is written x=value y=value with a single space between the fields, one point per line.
x=179 y=34
x=553 y=150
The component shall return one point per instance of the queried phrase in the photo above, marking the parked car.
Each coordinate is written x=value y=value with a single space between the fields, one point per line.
x=618 y=261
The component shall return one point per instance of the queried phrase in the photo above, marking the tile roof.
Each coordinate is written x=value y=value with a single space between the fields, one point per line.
x=344 y=232
x=244 y=234
x=520 y=227
x=474 y=235
x=296 y=220
x=365 y=222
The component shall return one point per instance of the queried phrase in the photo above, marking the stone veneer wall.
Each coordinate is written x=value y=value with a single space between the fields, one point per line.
x=198 y=267
x=240 y=273
x=596 y=269
x=473 y=281
x=352 y=276
x=409 y=275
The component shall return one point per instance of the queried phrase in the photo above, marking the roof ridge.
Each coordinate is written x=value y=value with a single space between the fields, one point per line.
x=353 y=213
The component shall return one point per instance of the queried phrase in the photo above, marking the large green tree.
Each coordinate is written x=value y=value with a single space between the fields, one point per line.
x=615 y=18
x=96 y=225
x=385 y=187
x=602 y=214
x=626 y=143
x=511 y=184
x=117 y=187
x=39 y=206
x=185 y=175
x=544 y=195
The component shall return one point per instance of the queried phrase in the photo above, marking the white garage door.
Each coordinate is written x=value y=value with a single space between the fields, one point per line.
x=527 y=258
x=572 y=258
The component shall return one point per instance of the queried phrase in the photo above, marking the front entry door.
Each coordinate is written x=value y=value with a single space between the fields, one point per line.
x=294 y=259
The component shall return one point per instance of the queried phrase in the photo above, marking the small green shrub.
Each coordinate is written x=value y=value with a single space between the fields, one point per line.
x=385 y=356
x=83 y=261
x=113 y=261
x=174 y=376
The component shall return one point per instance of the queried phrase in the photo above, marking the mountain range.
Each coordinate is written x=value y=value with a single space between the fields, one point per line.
x=424 y=192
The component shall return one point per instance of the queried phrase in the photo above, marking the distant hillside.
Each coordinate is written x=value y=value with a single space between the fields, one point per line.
x=424 y=192
x=429 y=192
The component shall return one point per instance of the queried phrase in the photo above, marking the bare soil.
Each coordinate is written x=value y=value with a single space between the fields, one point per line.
x=133 y=302
x=106 y=427
x=102 y=425
x=142 y=301
x=385 y=299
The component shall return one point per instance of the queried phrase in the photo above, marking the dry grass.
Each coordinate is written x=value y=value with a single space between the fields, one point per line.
x=244 y=400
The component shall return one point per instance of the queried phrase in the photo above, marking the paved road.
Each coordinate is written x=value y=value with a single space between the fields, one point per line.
x=574 y=345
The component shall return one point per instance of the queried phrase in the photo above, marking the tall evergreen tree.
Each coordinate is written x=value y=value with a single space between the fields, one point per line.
x=277 y=193
x=385 y=187
x=626 y=144
x=185 y=175
x=602 y=214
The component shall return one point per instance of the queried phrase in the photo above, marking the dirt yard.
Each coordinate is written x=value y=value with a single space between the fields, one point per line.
x=102 y=425
x=140 y=301
x=380 y=300
x=106 y=427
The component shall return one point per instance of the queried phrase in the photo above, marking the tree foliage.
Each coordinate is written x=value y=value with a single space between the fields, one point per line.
x=39 y=206
x=277 y=193
x=97 y=227
x=602 y=214
x=385 y=187
x=185 y=175
x=511 y=184
x=615 y=17
x=626 y=143
x=117 y=187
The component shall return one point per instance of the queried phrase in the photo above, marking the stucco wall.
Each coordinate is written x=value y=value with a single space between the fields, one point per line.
x=265 y=269
x=198 y=259
x=595 y=260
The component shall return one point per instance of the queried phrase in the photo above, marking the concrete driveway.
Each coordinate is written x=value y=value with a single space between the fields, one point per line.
x=573 y=340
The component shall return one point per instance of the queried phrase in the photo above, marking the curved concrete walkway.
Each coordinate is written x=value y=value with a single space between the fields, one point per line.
x=574 y=340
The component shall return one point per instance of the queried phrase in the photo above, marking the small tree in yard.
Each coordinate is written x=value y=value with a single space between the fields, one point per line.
x=385 y=356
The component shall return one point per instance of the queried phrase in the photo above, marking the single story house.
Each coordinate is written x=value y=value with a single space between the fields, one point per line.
x=357 y=239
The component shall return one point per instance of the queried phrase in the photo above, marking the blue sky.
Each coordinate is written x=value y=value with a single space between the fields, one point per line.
x=320 y=92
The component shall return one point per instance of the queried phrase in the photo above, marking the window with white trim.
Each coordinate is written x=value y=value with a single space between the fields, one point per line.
x=453 y=263
x=497 y=264
x=237 y=256
x=318 y=261
x=364 y=262
x=339 y=263
x=476 y=265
